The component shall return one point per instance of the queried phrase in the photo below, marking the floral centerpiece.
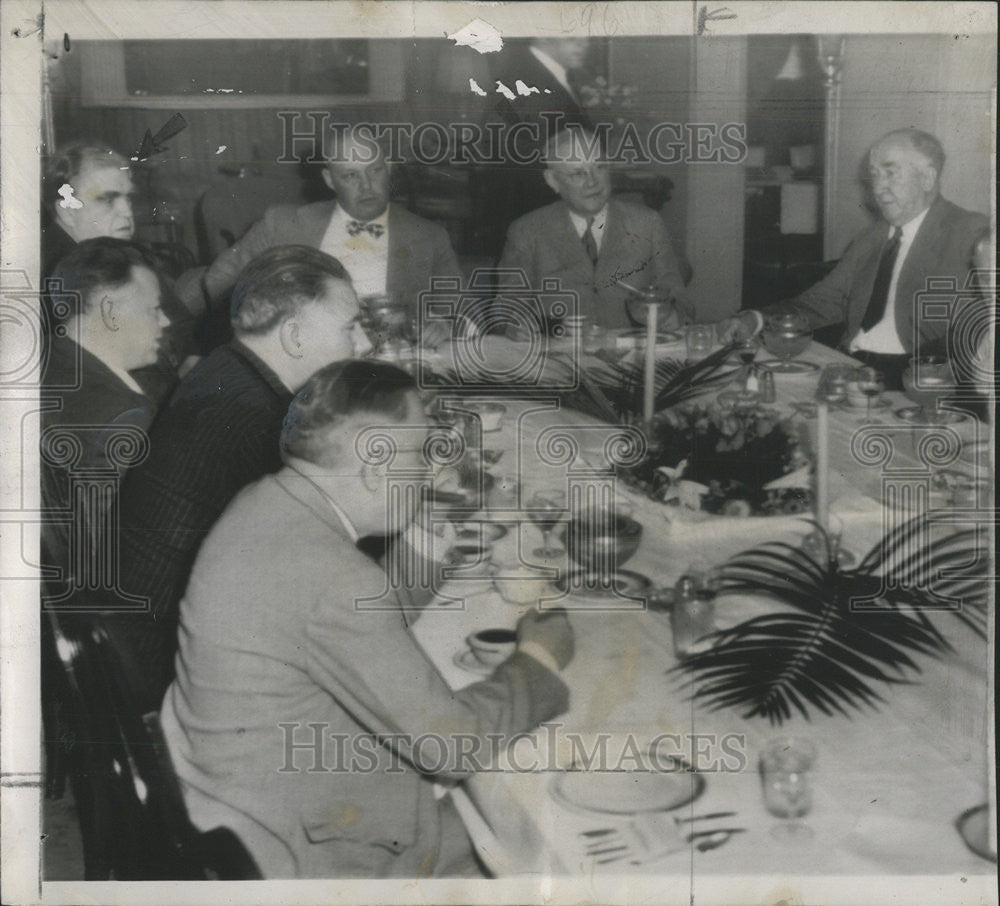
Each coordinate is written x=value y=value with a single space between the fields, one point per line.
x=725 y=461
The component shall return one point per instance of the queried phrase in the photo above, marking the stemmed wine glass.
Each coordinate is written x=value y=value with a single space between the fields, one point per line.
x=747 y=350
x=925 y=380
x=871 y=382
x=547 y=510
x=786 y=336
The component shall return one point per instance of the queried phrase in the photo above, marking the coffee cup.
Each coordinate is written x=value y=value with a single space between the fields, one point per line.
x=523 y=587
x=492 y=646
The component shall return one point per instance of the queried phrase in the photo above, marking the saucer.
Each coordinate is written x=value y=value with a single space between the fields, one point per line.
x=468 y=662
x=914 y=415
x=879 y=403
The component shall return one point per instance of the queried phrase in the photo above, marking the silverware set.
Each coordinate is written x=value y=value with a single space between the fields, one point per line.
x=649 y=837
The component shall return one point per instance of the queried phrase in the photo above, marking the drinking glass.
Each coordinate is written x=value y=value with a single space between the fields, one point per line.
x=925 y=380
x=785 y=764
x=833 y=381
x=547 y=510
x=594 y=338
x=699 y=339
x=785 y=337
x=871 y=382
x=747 y=350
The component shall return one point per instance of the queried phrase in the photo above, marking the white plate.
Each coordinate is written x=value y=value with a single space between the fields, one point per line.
x=629 y=792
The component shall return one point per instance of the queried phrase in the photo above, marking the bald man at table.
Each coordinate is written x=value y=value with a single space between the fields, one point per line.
x=596 y=246
x=875 y=288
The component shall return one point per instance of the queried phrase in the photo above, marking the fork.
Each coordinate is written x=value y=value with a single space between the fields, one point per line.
x=652 y=837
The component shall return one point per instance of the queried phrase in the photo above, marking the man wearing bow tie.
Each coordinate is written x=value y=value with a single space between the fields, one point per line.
x=385 y=249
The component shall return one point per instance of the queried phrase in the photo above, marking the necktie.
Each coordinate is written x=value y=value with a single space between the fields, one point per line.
x=589 y=242
x=373 y=229
x=883 y=277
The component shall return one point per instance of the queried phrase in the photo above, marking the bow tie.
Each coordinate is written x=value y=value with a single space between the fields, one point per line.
x=373 y=229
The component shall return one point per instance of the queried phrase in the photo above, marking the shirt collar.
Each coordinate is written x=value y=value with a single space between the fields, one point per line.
x=557 y=69
x=580 y=222
x=909 y=229
x=341 y=216
x=119 y=373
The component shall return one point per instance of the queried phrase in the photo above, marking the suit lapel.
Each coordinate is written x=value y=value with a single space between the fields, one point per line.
x=614 y=236
x=566 y=237
x=315 y=221
x=401 y=251
x=923 y=249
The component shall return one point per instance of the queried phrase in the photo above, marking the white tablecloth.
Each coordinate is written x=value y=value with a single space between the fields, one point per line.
x=888 y=784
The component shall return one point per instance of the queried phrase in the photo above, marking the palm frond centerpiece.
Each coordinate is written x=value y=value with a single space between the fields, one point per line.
x=845 y=632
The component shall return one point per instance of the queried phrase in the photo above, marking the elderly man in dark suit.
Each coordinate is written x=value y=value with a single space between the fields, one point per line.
x=276 y=651
x=594 y=244
x=293 y=310
x=874 y=289
x=386 y=250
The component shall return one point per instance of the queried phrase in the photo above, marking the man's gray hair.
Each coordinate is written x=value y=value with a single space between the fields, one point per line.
x=923 y=143
x=569 y=141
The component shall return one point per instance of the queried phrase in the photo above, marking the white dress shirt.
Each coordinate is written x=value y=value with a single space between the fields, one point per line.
x=557 y=69
x=365 y=258
x=883 y=337
x=597 y=229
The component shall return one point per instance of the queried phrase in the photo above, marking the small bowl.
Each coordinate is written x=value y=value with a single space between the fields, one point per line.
x=522 y=587
x=492 y=646
x=592 y=543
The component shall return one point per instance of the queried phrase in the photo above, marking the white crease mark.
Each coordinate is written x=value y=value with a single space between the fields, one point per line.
x=474 y=85
x=68 y=200
x=480 y=36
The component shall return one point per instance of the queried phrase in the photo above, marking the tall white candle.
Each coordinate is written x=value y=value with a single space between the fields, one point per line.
x=649 y=387
x=823 y=464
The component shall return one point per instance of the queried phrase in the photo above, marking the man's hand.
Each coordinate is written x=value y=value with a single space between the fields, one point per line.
x=551 y=630
x=741 y=327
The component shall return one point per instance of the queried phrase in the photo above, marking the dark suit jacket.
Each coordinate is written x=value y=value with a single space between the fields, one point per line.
x=86 y=400
x=636 y=248
x=942 y=249
x=418 y=249
x=517 y=186
x=270 y=636
x=218 y=433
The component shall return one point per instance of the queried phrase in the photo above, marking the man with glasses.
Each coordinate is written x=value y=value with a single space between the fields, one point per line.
x=595 y=245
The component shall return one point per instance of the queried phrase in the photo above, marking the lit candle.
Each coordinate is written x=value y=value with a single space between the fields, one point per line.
x=823 y=464
x=649 y=388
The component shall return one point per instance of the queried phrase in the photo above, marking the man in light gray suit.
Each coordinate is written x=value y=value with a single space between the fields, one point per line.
x=297 y=710
x=595 y=245
x=875 y=288
x=386 y=250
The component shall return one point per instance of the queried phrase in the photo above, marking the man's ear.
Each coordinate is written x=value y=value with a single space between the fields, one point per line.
x=109 y=313
x=550 y=180
x=928 y=178
x=290 y=334
x=372 y=477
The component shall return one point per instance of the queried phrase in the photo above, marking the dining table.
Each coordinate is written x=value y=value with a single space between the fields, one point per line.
x=890 y=781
